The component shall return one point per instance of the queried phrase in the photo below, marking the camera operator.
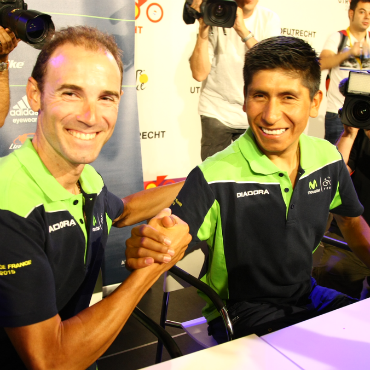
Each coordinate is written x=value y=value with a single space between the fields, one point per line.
x=8 y=42
x=340 y=269
x=344 y=51
x=218 y=61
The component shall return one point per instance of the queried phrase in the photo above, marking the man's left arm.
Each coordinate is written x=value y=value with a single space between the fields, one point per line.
x=356 y=233
x=145 y=204
x=8 y=42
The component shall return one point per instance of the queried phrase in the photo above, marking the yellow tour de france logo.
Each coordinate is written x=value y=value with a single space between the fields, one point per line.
x=11 y=268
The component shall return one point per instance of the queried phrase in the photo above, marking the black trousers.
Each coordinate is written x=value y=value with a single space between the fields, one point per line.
x=263 y=318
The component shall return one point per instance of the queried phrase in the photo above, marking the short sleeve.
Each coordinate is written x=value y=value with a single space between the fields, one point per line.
x=273 y=28
x=27 y=286
x=114 y=206
x=345 y=202
x=194 y=202
x=332 y=42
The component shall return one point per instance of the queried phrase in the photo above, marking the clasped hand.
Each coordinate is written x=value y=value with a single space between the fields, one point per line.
x=164 y=241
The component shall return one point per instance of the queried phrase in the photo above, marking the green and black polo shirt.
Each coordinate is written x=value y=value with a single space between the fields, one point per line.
x=50 y=254
x=261 y=233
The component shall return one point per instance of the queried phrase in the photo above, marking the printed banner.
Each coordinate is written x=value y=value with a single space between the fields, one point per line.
x=120 y=160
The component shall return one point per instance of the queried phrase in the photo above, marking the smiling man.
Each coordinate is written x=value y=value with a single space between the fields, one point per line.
x=262 y=204
x=51 y=251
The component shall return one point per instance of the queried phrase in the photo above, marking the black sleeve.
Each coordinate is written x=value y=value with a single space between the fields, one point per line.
x=194 y=202
x=27 y=286
x=345 y=202
x=114 y=206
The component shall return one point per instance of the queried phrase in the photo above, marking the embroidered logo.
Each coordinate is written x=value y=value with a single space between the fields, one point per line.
x=254 y=192
x=61 y=225
x=97 y=223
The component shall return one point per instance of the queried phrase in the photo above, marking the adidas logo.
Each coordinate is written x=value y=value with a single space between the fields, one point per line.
x=22 y=108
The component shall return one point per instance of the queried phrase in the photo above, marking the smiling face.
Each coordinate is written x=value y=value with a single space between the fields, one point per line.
x=78 y=107
x=278 y=107
x=360 y=17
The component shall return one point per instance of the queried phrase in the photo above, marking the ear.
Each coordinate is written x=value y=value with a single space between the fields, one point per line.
x=33 y=94
x=245 y=97
x=350 y=14
x=315 y=104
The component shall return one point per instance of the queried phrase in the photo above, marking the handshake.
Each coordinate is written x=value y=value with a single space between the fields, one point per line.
x=162 y=242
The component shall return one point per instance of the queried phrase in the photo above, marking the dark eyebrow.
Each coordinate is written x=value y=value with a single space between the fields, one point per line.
x=79 y=88
x=287 y=92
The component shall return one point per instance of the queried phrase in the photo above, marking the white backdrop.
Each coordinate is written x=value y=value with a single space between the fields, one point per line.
x=167 y=93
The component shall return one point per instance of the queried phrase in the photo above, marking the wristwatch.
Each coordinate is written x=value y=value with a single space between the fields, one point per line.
x=4 y=66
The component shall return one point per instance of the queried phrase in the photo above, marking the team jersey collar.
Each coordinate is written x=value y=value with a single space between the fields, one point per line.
x=29 y=158
x=260 y=163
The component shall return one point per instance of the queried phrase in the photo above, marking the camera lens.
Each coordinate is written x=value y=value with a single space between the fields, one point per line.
x=361 y=111
x=35 y=28
x=219 y=10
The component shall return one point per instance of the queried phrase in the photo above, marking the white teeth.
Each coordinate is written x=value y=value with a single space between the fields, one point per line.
x=82 y=136
x=273 y=132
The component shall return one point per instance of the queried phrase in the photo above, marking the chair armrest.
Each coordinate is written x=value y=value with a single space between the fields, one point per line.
x=336 y=243
x=159 y=332
x=212 y=295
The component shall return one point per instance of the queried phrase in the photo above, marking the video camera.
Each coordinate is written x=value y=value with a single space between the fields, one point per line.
x=218 y=13
x=356 y=108
x=30 y=26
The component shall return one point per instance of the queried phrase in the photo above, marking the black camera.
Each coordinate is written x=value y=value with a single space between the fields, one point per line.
x=356 y=108
x=218 y=13
x=30 y=26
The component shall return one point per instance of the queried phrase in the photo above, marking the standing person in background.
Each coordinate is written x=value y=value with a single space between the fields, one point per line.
x=340 y=268
x=345 y=51
x=8 y=42
x=218 y=61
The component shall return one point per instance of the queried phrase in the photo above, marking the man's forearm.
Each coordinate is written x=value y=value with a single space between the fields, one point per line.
x=5 y=95
x=77 y=342
x=345 y=144
x=356 y=233
x=199 y=61
x=147 y=203
x=331 y=61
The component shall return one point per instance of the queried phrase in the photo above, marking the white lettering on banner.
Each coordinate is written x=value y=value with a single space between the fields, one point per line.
x=14 y=64
x=254 y=192
x=24 y=120
x=152 y=135
x=295 y=32
x=22 y=108
x=62 y=224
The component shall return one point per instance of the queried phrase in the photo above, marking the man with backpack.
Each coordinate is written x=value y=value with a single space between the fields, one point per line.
x=345 y=51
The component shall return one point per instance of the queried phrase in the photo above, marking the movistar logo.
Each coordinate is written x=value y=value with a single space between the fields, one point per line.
x=313 y=185
x=97 y=223
x=61 y=225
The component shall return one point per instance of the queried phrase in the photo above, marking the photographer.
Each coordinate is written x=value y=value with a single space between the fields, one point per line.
x=8 y=42
x=341 y=269
x=218 y=61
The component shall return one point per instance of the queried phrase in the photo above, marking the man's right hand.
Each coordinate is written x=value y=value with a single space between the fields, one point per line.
x=8 y=42
x=350 y=132
x=163 y=240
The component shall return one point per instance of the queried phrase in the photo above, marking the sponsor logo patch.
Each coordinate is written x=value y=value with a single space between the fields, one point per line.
x=252 y=192
x=62 y=224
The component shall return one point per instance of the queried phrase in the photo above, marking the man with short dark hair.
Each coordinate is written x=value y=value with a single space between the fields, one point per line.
x=56 y=213
x=262 y=203
x=345 y=51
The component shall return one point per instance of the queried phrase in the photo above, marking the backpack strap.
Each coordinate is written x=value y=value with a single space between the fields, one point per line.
x=343 y=39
